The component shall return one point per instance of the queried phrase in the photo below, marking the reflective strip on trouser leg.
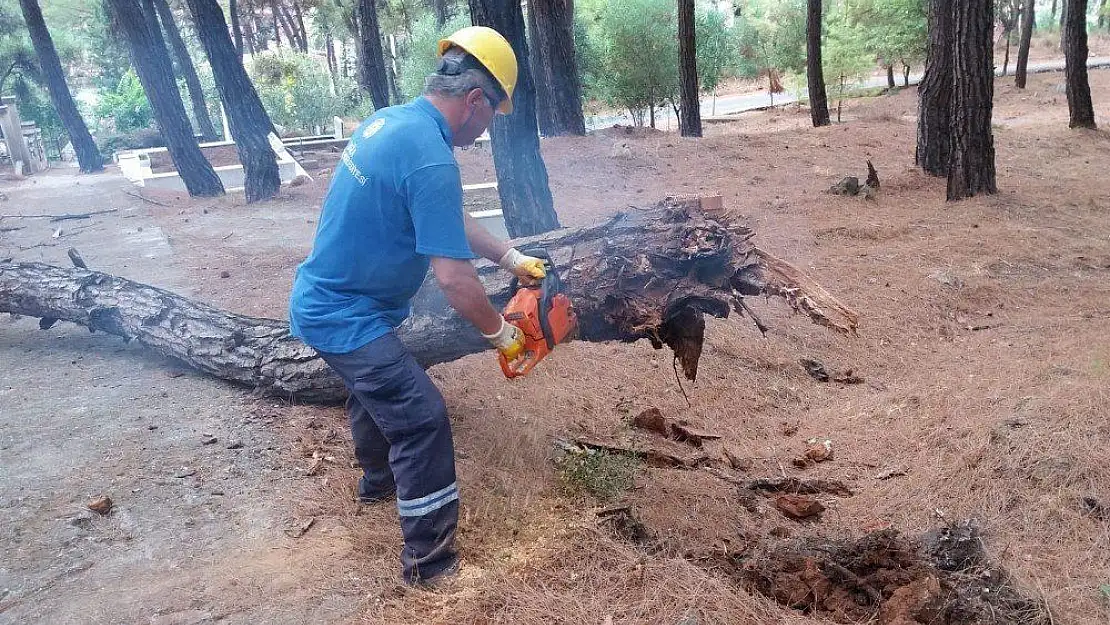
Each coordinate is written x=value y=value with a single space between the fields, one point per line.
x=410 y=413
x=428 y=503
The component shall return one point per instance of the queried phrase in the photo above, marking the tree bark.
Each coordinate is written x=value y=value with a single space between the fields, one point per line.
x=521 y=174
x=545 y=108
x=329 y=53
x=187 y=69
x=372 y=76
x=555 y=67
x=650 y=274
x=277 y=22
x=88 y=156
x=971 y=168
x=250 y=124
x=935 y=93
x=1080 y=108
x=236 y=27
x=689 y=119
x=890 y=84
x=439 y=8
x=302 y=32
x=1028 y=17
x=818 y=97
x=152 y=64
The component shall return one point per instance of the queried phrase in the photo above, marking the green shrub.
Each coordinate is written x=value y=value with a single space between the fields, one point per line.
x=600 y=473
x=296 y=90
x=125 y=106
x=639 y=54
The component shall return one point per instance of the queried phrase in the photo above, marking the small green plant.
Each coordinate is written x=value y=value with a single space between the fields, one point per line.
x=296 y=90
x=125 y=105
x=600 y=473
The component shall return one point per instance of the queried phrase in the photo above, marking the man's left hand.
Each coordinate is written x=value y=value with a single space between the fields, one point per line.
x=522 y=265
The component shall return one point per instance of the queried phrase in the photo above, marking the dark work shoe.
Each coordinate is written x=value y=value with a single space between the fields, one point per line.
x=374 y=495
x=372 y=499
x=442 y=579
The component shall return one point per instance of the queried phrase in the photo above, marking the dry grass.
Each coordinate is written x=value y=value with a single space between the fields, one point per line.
x=1006 y=423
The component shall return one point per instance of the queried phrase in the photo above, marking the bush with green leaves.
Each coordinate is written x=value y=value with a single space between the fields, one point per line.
x=639 y=54
x=124 y=107
x=772 y=38
x=419 y=57
x=892 y=31
x=846 y=57
x=296 y=90
x=717 y=51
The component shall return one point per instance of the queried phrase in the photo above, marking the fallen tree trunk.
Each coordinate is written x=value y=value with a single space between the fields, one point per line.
x=651 y=273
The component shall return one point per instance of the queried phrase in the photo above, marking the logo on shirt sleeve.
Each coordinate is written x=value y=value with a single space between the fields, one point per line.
x=373 y=128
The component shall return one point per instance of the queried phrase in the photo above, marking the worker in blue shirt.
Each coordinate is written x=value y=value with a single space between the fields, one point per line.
x=394 y=208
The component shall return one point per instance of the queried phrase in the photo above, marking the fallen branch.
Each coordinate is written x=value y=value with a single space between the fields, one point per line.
x=62 y=217
x=650 y=273
x=146 y=199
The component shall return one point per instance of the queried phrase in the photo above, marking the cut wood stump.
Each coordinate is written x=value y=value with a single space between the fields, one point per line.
x=646 y=273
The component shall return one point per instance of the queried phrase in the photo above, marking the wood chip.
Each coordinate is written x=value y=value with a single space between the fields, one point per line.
x=100 y=505
x=684 y=432
x=889 y=473
x=652 y=420
x=798 y=507
x=300 y=528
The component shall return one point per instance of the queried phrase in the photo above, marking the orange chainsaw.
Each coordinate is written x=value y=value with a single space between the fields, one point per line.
x=542 y=312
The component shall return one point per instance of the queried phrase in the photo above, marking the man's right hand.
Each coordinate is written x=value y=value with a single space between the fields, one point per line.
x=508 y=340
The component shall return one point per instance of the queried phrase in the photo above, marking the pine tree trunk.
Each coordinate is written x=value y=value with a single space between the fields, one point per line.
x=371 y=62
x=1006 y=56
x=302 y=32
x=1080 y=109
x=277 y=22
x=935 y=93
x=439 y=8
x=236 y=27
x=187 y=70
x=631 y=278
x=1028 y=18
x=248 y=31
x=815 y=71
x=521 y=174
x=890 y=84
x=88 y=156
x=689 y=119
x=250 y=125
x=971 y=168
x=152 y=64
x=555 y=67
x=545 y=107
x=333 y=66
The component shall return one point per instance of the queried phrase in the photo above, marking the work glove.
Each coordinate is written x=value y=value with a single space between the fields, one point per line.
x=522 y=265
x=509 y=340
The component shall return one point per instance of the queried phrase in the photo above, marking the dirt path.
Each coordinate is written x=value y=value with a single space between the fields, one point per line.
x=196 y=533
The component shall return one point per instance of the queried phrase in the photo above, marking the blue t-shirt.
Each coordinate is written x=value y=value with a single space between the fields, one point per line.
x=395 y=200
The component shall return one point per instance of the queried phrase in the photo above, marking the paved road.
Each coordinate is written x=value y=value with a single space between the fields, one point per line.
x=728 y=105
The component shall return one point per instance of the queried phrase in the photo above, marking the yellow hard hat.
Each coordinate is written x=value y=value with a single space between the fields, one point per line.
x=493 y=52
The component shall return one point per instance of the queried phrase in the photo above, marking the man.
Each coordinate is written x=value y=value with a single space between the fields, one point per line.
x=393 y=208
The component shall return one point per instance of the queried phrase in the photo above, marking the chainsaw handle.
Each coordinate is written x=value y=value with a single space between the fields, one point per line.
x=527 y=361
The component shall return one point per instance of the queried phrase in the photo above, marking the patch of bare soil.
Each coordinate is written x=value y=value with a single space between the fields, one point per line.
x=218 y=156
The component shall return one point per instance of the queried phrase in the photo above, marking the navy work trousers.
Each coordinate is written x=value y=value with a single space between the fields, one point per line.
x=403 y=441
